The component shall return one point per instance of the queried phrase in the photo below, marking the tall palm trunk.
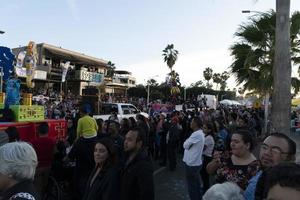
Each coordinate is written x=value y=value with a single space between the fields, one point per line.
x=281 y=98
x=266 y=107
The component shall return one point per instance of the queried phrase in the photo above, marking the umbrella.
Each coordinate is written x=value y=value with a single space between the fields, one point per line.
x=226 y=102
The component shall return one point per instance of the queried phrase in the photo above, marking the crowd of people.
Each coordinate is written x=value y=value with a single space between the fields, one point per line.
x=114 y=159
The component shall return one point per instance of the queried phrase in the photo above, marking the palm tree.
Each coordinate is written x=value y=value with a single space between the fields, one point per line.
x=170 y=55
x=254 y=53
x=208 y=74
x=285 y=38
x=217 y=79
x=224 y=77
x=111 y=69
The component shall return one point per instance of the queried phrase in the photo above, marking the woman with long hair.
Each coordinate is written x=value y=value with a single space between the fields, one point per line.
x=103 y=183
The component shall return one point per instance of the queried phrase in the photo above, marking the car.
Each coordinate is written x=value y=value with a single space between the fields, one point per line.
x=123 y=110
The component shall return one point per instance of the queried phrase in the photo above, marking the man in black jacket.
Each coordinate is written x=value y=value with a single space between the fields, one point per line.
x=172 y=143
x=137 y=175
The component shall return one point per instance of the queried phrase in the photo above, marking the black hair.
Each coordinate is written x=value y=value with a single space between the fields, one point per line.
x=292 y=145
x=111 y=149
x=140 y=117
x=198 y=122
x=13 y=134
x=141 y=135
x=210 y=127
x=246 y=137
x=283 y=174
x=133 y=122
x=233 y=116
x=43 y=128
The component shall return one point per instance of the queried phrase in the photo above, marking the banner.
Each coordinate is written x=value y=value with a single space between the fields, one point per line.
x=65 y=68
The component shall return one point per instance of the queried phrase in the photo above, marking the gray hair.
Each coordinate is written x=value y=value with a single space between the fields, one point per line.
x=18 y=160
x=224 y=191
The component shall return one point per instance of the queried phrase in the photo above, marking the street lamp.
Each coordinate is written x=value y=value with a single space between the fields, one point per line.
x=252 y=11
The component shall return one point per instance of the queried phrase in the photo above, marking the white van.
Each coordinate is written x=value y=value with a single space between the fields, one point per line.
x=123 y=110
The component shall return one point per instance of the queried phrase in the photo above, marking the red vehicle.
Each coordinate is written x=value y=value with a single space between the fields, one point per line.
x=28 y=130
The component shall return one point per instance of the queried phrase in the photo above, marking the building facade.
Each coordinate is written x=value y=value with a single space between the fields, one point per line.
x=83 y=71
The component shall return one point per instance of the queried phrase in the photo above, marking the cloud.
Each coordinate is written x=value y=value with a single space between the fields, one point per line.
x=72 y=5
x=189 y=66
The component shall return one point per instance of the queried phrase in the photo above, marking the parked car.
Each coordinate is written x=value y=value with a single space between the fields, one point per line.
x=123 y=110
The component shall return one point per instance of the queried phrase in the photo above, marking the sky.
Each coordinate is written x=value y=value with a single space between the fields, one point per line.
x=133 y=33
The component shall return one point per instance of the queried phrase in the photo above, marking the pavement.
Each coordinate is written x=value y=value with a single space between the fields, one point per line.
x=172 y=185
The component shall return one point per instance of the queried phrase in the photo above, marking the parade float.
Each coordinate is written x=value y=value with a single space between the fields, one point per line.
x=26 y=117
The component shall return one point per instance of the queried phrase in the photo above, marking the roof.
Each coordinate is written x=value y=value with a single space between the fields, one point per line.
x=122 y=72
x=73 y=56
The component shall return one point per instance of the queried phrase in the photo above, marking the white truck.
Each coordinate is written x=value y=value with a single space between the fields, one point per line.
x=123 y=110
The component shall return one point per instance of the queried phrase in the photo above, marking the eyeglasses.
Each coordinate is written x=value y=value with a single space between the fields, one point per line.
x=274 y=150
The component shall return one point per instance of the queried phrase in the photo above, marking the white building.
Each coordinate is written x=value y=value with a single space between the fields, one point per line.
x=121 y=81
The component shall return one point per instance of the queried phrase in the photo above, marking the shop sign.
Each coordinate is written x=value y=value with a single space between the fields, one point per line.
x=89 y=76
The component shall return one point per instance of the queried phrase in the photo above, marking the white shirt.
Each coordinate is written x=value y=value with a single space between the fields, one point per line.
x=209 y=144
x=193 y=148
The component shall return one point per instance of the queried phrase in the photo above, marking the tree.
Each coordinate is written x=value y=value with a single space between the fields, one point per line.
x=224 y=77
x=217 y=79
x=198 y=84
x=254 y=54
x=110 y=69
x=281 y=105
x=208 y=74
x=138 y=91
x=170 y=55
x=152 y=82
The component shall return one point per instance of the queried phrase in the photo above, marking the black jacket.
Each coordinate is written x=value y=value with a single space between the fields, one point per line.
x=24 y=190
x=83 y=152
x=173 y=135
x=105 y=185
x=137 y=179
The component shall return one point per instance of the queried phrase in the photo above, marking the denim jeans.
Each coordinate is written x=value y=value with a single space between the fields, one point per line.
x=193 y=181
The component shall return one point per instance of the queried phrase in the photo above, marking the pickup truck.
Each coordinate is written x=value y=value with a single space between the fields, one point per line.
x=123 y=110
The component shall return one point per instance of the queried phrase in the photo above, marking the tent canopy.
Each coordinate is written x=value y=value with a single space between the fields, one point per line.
x=229 y=102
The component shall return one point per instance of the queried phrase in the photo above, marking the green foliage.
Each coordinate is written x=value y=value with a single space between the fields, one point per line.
x=170 y=55
x=217 y=79
x=208 y=74
x=195 y=91
x=198 y=84
x=253 y=54
x=110 y=69
x=152 y=82
x=138 y=91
